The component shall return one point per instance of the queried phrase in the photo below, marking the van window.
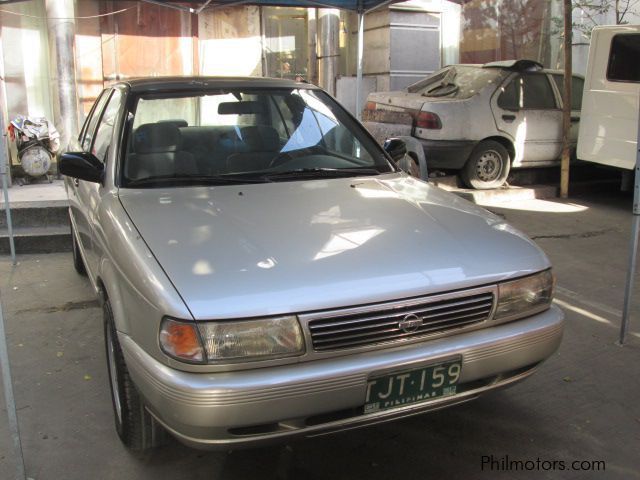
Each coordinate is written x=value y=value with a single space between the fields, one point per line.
x=577 y=86
x=623 y=58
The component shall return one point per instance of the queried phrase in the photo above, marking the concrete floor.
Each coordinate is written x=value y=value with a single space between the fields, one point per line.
x=583 y=404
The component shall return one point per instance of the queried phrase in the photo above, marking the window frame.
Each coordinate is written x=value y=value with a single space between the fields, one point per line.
x=130 y=104
x=520 y=75
x=560 y=91
x=115 y=124
x=106 y=93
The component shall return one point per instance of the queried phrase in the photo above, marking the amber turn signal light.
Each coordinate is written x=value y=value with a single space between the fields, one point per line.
x=181 y=340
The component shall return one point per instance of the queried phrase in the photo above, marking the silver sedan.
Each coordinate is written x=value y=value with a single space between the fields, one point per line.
x=267 y=271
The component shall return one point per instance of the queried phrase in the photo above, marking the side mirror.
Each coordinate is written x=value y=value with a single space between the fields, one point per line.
x=396 y=148
x=82 y=165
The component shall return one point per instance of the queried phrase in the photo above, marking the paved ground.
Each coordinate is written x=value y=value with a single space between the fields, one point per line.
x=583 y=404
x=39 y=191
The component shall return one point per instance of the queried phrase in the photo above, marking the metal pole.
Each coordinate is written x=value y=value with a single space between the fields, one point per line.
x=62 y=45
x=566 y=103
x=328 y=28
x=633 y=253
x=359 y=66
x=4 y=172
x=10 y=401
x=312 y=61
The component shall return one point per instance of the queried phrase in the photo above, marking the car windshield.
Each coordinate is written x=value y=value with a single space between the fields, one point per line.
x=244 y=136
x=459 y=81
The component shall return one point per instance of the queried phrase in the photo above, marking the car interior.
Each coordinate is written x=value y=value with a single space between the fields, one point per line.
x=245 y=136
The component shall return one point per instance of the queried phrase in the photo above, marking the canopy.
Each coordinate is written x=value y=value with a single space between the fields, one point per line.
x=196 y=6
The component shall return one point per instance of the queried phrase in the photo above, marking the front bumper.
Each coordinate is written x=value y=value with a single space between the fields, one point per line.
x=447 y=154
x=313 y=398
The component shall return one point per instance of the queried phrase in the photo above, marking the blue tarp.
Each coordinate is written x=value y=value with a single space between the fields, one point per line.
x=355 y=5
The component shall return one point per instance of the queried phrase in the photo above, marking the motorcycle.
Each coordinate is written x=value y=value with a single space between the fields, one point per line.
x=37 y=141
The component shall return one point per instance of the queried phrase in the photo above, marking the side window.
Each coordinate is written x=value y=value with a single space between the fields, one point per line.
x=623 y=58
x=509 y=99
x=577 y=86
x=537 y=93
x=105 y=128
x=90 y=123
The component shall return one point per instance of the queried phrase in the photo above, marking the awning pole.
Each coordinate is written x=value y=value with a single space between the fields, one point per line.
x=633 y=252
x=4 y=173
x=359 y=64
x=10 y=402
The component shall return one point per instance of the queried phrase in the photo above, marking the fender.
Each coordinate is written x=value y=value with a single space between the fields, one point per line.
x=110 y=280
x=415 y=147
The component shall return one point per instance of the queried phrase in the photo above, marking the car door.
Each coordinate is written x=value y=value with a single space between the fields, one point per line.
x=526 y=109
x=90 y=193
x=577 y=87
x=77 y=208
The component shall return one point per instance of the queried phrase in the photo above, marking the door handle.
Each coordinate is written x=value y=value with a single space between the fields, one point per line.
x=575 y=119
x=76 y=182
x=508 y=118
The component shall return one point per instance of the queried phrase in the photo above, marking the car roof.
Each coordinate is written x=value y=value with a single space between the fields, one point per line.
x=195 y=83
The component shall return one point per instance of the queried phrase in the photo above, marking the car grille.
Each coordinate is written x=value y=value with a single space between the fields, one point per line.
x=357 y=328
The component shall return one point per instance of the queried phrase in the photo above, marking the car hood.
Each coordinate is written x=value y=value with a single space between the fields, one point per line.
x=272 y=248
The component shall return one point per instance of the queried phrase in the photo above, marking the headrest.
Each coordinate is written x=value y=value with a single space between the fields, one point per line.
x=240 y=108
x=261 y=138
x=178 y=122
x=156 y=138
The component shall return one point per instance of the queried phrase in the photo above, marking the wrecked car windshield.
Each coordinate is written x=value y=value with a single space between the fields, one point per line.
x=460 y=81
x=244 y=136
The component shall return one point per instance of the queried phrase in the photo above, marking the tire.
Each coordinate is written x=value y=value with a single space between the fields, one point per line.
x=78 y=263
x=487 y=167
x=135 y=426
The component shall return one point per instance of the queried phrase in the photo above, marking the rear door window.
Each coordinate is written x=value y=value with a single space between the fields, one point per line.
x=537 y=93
x=509 y=99
x=623 y=58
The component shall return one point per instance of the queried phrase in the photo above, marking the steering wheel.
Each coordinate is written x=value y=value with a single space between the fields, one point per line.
x=280 y=159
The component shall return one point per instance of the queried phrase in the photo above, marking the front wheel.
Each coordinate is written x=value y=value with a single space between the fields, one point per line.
x=487 y=167
x=137 y=429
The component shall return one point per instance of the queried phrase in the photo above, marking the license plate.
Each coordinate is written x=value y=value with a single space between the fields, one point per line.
x=412 y=386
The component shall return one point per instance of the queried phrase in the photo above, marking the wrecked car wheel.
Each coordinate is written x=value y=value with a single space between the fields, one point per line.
x=487 y=167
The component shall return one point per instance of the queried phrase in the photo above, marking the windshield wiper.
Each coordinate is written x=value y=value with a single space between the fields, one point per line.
x=196 y=179
x=321 y=173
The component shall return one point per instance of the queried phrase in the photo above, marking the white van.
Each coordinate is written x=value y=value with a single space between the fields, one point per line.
x=609 y=121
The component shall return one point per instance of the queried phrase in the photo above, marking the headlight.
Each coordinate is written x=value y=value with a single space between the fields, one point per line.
x=525 y=296
x=240 y=339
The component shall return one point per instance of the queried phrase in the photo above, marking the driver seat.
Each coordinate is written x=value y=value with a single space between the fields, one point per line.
x=262 y=143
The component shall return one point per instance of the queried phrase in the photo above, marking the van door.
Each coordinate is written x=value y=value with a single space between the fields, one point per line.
x=526 y=109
